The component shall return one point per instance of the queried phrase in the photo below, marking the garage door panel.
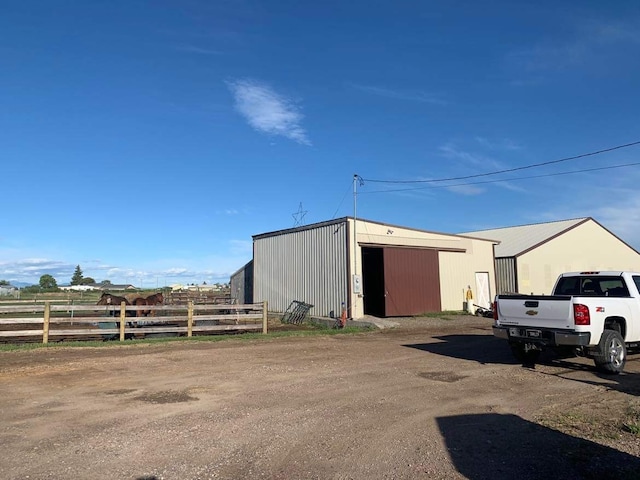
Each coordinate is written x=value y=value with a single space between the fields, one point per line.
x=412 y=281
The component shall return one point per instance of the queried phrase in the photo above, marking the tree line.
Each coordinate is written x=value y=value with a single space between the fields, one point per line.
x=48 y=283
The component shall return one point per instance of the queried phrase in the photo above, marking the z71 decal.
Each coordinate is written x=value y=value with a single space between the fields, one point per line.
x=600 y=309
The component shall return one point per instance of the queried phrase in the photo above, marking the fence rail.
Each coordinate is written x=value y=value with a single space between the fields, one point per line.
x=127 y=321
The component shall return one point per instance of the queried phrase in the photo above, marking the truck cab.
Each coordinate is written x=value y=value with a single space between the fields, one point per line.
x=596 y=314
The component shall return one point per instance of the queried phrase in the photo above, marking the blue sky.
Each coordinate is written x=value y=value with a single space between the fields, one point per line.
x=147 y=141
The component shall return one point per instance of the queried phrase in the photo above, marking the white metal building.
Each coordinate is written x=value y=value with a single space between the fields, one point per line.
x=372 y=268
x=529 y=258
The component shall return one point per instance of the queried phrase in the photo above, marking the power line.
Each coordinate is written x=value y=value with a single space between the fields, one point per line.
x=342 y=201
x=504 y=179
x=551 y=162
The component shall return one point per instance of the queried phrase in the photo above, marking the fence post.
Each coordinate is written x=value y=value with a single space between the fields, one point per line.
x=123 y=313
x=264 y=317
x=45 y=322
x=190 y=318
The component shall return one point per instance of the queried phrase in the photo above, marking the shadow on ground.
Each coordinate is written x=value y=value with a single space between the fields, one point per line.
x=486 y=349
x=627 y=382
x=493 y=446
x=479 y=348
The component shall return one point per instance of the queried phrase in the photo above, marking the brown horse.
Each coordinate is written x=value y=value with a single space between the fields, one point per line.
x=153 y=299
x=112 y=300
x=139 y=301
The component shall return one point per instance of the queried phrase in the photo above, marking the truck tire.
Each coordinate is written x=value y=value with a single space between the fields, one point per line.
x=526 y=357
x=611 y=354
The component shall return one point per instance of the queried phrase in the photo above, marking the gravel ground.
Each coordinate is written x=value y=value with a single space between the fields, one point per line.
x=430 y=398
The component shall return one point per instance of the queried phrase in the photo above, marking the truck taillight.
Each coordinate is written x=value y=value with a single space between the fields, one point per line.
x=495 y=310
x=581 y=314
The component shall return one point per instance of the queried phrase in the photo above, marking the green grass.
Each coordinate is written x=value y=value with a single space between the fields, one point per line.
x=632 y=422
x=318 y=331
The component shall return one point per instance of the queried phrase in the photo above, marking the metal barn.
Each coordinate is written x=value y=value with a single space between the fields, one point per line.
x=241 y=284
x=529 y=258
x=370 y=268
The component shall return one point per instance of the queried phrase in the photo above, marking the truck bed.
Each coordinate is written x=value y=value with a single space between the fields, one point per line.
x=542 y=311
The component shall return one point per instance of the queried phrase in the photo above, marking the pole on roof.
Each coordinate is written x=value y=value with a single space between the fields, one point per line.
x=355 y=222
x=356 y=284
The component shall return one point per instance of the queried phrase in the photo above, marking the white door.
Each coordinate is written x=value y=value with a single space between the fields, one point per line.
x=483 y=296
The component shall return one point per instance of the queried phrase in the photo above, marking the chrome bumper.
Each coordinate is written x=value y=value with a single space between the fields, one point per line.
x=547 y=336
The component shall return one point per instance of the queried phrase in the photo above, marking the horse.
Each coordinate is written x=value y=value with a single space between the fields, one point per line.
x=140 y=301
x=113 y=300
x=153 y=299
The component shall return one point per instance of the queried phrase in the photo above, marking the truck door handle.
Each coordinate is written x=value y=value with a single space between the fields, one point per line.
x=531 y=304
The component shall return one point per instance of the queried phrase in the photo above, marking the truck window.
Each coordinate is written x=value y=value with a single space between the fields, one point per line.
x=568 y=286
x=614 y=288
x=596 y=286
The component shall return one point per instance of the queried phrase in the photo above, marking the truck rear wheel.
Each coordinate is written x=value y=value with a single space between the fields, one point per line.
x=611 y=354
x=526 y=357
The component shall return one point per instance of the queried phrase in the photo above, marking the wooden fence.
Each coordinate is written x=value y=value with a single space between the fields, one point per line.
x=36 y=322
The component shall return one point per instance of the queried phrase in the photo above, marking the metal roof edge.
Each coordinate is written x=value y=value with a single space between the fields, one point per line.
x=348 y=218
x=562 y=232
x=241 y=268
x=614 y=235
x=302 y=228
x=423 y=231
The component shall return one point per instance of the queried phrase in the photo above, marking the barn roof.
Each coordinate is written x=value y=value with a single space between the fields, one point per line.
x=517 y=240
x=342 y=220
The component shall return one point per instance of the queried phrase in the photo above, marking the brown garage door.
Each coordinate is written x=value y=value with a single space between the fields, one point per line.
x=411 y=281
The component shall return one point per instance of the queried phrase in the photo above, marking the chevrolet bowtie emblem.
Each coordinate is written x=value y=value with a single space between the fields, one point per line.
x=531 y=312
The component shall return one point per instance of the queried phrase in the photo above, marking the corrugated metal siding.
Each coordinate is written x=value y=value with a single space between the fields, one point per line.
x=242 y=284
x=506 y=279
x=412 y=281
x=308 y=265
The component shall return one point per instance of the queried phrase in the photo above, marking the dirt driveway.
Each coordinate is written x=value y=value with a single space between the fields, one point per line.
x=430 y=399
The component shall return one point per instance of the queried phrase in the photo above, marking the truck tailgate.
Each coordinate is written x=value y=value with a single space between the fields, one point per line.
x=535 y=311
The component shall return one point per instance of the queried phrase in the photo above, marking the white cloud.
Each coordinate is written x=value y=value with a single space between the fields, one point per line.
x=26 y=269
x=268 y=111
x=500 y=144
x=409 y=95
x=469 y=159
x=587 y=43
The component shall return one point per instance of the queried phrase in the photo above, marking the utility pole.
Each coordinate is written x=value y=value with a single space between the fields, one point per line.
x=355 y=223
x=356 y=283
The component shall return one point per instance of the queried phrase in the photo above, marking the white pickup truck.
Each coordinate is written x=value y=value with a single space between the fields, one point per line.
x=594 y=314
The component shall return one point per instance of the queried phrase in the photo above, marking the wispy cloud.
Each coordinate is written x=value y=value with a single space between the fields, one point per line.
x=34 y=267
x=268 y=111
x=500 y=144
x=198 y=50
x=588 y=43
x=469 y=159
x=408 y=95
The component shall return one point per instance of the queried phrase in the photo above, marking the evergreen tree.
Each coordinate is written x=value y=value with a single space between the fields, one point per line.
x=47 y=282
x=77 y=276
